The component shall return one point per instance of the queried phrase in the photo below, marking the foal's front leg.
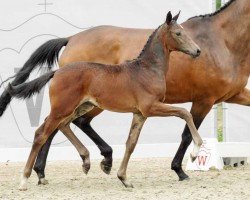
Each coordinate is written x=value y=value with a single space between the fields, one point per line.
x=164 y=110
x=137 y=123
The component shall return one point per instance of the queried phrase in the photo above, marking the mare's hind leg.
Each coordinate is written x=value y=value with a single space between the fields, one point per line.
x=137 y=123
x=41 y=135
x=83 y=151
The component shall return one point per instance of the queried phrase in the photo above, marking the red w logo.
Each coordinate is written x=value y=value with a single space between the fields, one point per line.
x=202 y=160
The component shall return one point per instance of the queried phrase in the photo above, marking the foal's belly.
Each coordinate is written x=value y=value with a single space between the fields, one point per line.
x=115 y=104
x=114 y=99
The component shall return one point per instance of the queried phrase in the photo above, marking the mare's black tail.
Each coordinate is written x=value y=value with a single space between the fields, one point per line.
x=45 y=54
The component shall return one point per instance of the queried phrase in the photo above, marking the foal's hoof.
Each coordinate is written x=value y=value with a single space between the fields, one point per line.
x=23 y=187
x=193 y=157
x=127 y=184
x=23 y=184
x=43 y=181
x=106 y=166
x=85 y=168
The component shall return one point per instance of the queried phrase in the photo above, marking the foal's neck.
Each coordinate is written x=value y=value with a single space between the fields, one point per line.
x=155 y=54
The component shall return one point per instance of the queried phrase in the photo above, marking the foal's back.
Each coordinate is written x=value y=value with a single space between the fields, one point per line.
x=110 y=85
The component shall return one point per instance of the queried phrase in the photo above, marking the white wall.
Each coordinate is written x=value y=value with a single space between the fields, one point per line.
x=237 y=127
x=24 y=25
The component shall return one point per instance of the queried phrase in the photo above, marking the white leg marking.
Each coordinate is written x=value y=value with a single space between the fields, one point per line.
x=195 y=152
x=23 y=183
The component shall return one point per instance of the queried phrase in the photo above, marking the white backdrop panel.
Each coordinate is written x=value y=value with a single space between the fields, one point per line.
x=237 y=122
x=26 y=24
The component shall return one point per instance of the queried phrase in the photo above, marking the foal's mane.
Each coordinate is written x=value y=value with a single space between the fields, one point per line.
x=148 y=42
x=216 y=12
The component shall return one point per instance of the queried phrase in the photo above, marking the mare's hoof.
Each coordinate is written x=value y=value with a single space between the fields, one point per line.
x=85 y=168
x=106 y=167
x=184 y=178
x=43 y=181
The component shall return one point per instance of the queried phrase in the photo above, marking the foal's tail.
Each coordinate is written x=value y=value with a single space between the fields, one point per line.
x=45 y=54
x=26 y=90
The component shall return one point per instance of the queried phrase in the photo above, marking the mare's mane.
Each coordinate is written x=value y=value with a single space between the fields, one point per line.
x=216 y=12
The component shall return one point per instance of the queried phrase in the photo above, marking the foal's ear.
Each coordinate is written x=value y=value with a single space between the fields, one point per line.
x=169 y=18
x=176 y=16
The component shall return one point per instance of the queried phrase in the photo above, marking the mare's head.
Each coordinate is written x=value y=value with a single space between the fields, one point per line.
x=177 y=39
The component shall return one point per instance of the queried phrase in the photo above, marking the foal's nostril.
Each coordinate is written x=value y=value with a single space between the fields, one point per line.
x=198 y=52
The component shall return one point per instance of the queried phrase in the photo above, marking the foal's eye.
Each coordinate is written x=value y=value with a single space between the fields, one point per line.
x=178 y=34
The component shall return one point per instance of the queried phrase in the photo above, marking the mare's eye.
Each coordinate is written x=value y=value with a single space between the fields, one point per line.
x=178 y=34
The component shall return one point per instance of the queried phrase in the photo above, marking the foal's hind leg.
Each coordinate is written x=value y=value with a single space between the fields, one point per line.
x=84 y=124
x=137 y=123
x=42 y=134
x=83 y=151
x=64 y=127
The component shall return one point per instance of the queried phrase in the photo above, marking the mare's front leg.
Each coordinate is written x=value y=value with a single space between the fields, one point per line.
x=164 y=110
x=199 y=111
x=137 y=123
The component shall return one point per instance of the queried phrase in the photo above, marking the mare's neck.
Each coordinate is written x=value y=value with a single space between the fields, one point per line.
x=155 y=54
x=234 y=26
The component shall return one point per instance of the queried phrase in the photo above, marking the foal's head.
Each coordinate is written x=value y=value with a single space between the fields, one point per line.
x=177 y=38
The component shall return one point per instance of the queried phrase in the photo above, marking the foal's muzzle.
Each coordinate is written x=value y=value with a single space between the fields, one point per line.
x=196 y=54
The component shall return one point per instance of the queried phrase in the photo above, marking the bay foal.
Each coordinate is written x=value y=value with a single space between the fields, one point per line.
x=137 y=86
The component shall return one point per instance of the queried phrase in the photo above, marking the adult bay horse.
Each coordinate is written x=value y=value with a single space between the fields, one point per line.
x=79 y=87
x=219 y=74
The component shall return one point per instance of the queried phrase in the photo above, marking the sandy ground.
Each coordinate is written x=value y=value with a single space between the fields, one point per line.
x=152 y=179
